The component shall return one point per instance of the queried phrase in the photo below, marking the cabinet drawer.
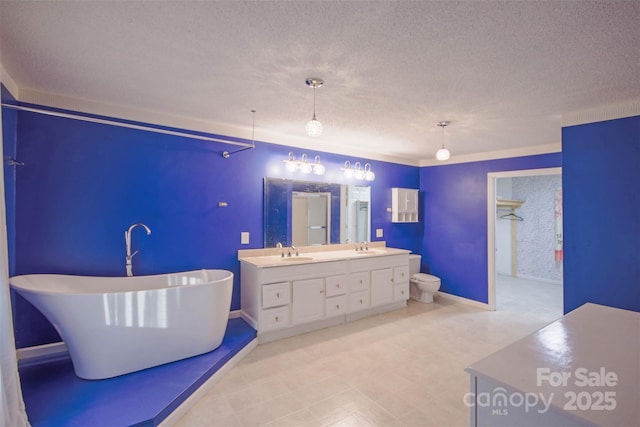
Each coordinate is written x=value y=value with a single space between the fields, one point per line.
x=275 y=318
x=359 y=281
x=276 y=294
x=335 y=306
x=401 y=274
x=401 y=292
x=336 y=285
x=359 y=301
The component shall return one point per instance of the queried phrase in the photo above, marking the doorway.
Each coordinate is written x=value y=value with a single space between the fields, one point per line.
x=311 y=218
x=524 y=225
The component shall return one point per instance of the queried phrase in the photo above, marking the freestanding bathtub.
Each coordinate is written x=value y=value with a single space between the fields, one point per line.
x=116 y=325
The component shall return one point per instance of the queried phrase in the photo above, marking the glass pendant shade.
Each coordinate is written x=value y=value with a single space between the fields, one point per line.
x=443 y=154
x=314 y=127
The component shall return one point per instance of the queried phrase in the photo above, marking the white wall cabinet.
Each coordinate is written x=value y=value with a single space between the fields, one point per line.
x=287 y=300
x=404 y=205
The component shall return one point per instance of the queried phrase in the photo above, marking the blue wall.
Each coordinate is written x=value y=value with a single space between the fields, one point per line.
x=455 y=221
x=9 y=141
x=600 y=176
x=84 y=183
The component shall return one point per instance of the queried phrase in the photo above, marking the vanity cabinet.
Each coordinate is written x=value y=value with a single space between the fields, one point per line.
x=292 y=298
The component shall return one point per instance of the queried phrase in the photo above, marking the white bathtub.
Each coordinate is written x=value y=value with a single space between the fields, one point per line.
x=116 y=325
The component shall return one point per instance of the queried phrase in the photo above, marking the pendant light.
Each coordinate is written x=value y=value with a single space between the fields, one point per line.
x=314 y=127
x=443 y=154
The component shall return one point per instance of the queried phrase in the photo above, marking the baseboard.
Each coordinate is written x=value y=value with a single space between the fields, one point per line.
x=184 y=407
x=463 y=300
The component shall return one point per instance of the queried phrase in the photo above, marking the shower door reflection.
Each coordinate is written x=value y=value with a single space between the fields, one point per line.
x=311 y=216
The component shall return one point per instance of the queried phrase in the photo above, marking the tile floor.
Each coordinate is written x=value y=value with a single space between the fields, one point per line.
x=403 y=368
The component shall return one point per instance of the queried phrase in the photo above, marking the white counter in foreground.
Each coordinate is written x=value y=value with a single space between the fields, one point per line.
x=581 y=370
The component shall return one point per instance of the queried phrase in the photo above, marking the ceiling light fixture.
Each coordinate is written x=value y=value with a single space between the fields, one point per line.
x=443 y=154
x=314 y=127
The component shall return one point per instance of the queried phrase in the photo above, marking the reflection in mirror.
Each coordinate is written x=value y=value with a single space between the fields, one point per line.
x=305 y=213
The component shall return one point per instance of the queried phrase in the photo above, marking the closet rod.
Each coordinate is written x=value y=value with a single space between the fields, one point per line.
x=125 y=125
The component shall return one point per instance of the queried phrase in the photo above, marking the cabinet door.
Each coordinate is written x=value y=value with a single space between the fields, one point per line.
x=381 y=286
x=401 y=292
x=359 y=281
x=335 y=306
x=307 y=304
x=401 y=274
x=359 y=301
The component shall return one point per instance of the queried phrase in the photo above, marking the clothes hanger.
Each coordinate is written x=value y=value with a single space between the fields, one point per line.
x=512 y=217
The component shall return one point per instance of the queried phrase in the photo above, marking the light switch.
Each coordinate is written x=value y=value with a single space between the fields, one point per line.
x=379 y=232
x=244 y=238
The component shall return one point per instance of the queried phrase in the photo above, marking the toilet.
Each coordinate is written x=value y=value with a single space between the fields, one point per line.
x=422 y=285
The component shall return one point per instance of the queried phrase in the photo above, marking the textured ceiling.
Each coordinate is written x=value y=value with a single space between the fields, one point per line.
x=502 y=72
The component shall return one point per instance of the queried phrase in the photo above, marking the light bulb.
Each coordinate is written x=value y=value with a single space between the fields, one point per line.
x=314 y=128
x=443 y=154
x=306 y=167
x=318 y=167
x=291 y=166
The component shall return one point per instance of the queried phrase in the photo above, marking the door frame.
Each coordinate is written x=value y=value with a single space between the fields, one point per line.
x=491 y=221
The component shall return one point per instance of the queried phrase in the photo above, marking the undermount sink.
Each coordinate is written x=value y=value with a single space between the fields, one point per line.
x=369 y=252
x=297 y=259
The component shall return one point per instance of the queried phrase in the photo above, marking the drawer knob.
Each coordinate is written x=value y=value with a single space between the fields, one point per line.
x=402 y=292
x=361 y=281
x=277 y=319
x=338 y=286
x=278 y=295
x=361 y=301
x=392 y=280
x=337 y=306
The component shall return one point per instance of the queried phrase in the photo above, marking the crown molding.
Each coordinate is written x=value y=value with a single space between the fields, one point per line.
x=535 y=150
x=9 y=83
x=600 y=114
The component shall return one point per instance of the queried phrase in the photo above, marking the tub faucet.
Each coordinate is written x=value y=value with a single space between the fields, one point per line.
x=127 y=241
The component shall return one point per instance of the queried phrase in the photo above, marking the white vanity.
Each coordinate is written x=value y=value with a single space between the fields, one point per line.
x=319 y=287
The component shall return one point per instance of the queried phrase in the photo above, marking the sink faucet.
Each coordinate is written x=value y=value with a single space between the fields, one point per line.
x=294 y=249
x=279 y=246
x=127 y=241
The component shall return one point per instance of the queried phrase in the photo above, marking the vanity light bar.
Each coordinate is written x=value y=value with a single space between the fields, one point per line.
x=356 y=171
x=303 y=165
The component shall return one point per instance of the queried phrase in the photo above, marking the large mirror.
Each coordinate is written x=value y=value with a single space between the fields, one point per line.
x=306 y=213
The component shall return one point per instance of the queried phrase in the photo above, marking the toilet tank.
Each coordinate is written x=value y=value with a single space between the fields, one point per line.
x=414 y=264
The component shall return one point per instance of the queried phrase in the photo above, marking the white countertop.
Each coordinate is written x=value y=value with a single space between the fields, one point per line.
x=272 y=257
x=592 y=349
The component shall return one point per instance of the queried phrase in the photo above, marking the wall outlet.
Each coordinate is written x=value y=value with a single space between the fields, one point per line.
x=244 y=238
x=379 y=232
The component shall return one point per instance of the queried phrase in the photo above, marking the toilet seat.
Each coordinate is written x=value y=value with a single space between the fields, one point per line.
x=425 y=278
